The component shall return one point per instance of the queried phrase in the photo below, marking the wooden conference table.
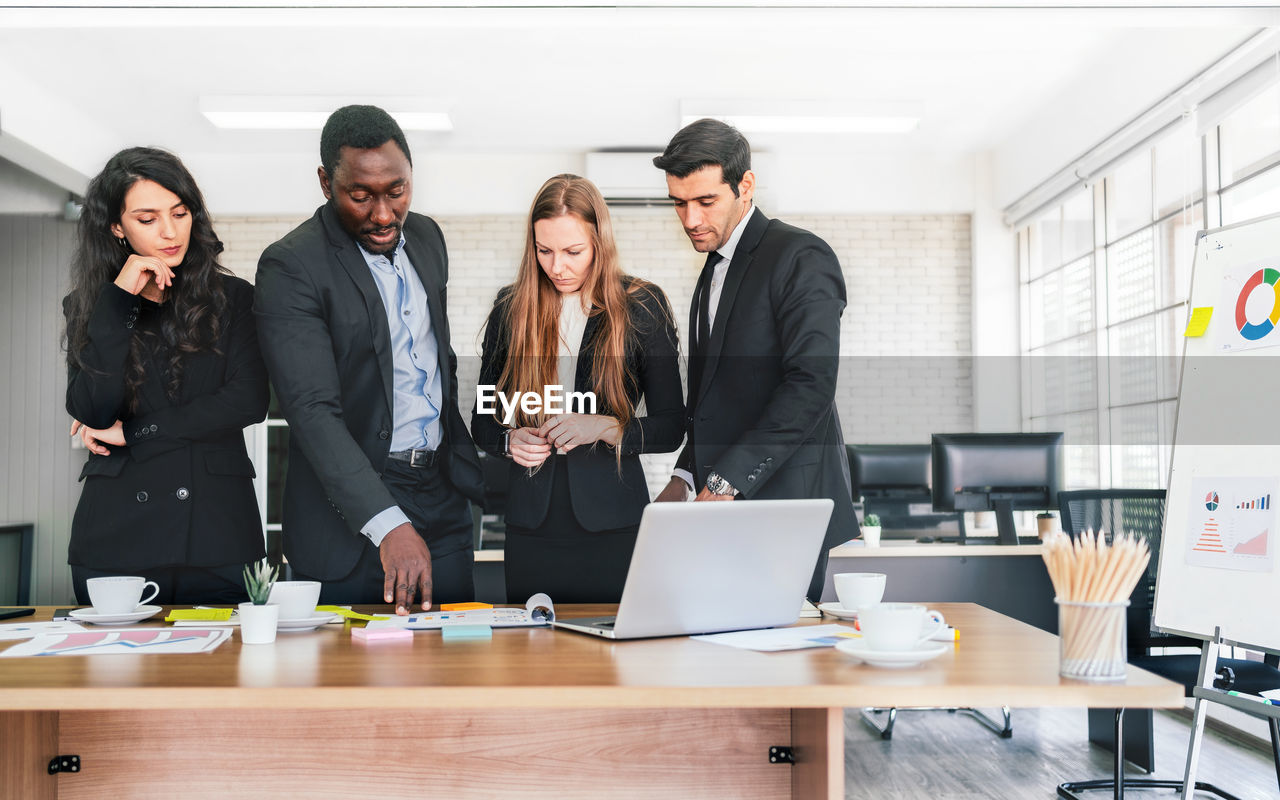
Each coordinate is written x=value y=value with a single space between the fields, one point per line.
x=530 y=713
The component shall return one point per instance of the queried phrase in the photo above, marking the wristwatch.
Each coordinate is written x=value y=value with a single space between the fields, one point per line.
x=506 y=443
x=716 y=484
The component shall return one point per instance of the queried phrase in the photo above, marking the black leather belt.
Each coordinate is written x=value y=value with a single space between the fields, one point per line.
x=418 y=459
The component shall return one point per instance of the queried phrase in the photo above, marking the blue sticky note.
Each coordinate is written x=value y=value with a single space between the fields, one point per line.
x=461 y=632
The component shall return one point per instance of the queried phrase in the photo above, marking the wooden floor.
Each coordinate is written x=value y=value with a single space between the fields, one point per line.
x=940 y=756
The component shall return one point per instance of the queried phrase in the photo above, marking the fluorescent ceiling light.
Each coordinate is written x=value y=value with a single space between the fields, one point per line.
x=778 y=123
x=297 y=113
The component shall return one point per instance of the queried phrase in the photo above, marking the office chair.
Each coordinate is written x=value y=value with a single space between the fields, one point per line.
x=496 y=476
x=26 y=543
x=1141 y=511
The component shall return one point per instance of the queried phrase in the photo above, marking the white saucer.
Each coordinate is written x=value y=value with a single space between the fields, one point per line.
x=306 y=623
x=838 y=611
x=91 y=615
x=891 y=658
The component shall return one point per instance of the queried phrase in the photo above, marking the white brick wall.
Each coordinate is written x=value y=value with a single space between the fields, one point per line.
x=905 y=337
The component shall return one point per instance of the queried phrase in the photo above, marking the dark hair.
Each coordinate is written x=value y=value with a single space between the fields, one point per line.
x=191 y=317
x=363 y=127
x=706 y=143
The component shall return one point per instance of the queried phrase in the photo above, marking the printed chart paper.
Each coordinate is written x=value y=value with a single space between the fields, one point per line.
x=537 y=612
x=119 y=642
x=771 y=640
x=1232 y=523
x=1250 y=301
x=26 y=630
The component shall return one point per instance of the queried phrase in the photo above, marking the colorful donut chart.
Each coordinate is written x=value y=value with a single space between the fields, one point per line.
x=1250 y=330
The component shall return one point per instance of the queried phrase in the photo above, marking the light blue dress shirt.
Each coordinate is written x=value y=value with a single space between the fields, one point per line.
x=415 y=383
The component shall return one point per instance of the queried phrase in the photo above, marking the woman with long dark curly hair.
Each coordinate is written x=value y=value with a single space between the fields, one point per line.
x=164 y=374
x=575 y=320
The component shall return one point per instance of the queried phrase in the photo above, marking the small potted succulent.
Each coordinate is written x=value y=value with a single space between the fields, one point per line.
x=871 y=530
x=257 y=618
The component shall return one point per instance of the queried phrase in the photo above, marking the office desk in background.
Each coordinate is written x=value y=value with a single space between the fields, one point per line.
x=1011 y=580
x=530 y=713
x=1005 y=578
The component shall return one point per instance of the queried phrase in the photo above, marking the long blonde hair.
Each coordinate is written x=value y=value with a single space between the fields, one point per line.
x=533 y=310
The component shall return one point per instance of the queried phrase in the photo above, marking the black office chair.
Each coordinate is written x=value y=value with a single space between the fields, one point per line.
x=25 y=533
x=1141 y=511
x=496 y=475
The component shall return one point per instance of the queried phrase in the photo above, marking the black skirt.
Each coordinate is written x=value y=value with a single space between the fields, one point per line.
x=563 y=559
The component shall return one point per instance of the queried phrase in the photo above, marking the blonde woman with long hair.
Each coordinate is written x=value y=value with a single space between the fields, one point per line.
x=573 y=320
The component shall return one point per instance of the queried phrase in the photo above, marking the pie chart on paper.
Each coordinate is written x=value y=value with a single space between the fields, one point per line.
x=1211 y=501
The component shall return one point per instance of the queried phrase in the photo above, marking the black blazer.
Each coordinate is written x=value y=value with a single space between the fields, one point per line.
x=328 y=348
x=181 y=491
x=602 y=499
x=762 y=402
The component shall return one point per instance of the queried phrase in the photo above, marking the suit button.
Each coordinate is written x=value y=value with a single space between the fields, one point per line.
x=769 y=460
x=182 y=493
x=751 y=477
x=689 y=418
x=128 y=324
x=384 y=434
x=142 y=497
x=152 y=429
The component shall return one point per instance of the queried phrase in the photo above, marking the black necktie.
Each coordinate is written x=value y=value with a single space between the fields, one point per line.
x=704 y=300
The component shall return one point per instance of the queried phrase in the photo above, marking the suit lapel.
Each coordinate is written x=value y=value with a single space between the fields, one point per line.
x=743 y=258
x=349 y=256
x=424 y=265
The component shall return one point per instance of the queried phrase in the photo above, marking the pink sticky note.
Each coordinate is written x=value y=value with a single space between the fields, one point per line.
x=380 y=634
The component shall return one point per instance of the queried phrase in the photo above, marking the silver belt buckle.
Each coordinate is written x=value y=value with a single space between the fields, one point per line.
x=420 y=458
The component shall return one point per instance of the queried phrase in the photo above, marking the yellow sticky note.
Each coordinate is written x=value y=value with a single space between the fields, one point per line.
x=200 y=614
x=347 y=613
x=1199 y=321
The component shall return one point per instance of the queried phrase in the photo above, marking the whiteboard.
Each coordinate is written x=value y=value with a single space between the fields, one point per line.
x=1218 y=559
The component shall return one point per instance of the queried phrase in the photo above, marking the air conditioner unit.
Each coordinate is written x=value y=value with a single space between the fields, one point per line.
x=628 y=179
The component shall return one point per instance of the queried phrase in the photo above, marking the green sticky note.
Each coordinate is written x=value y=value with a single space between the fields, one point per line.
x=200 y=614
x=1199 y=322
x=347 y=613
x=459 y=632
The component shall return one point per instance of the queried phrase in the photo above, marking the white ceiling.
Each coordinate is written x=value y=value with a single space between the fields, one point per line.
x=77 y=84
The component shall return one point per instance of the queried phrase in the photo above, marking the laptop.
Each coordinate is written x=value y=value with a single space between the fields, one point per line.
x=716 y=566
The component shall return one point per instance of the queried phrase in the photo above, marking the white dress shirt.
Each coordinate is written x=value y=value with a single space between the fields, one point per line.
x=718 y=274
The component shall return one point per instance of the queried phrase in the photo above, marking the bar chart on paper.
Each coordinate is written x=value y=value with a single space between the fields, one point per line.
x=1233 y=520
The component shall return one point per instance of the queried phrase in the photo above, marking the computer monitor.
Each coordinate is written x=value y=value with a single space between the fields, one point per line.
x=889 y=470
x=997 y=472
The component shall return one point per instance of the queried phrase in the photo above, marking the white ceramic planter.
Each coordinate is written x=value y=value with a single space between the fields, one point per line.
x=871 y=535
x=258 y=623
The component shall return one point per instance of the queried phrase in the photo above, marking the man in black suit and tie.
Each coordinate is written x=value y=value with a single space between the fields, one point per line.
x=765 y=328
x=352 y=318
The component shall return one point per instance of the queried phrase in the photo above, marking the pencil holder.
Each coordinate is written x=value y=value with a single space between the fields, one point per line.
x=1092 y=640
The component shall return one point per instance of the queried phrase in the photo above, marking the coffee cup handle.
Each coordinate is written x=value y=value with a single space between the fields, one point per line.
x=936 y=625
x=155 y=590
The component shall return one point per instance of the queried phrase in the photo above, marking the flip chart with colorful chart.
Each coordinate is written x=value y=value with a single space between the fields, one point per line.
x=1218 y=553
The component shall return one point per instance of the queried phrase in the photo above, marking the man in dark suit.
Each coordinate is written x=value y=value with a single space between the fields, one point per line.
x=765 y=331
x=352 y=317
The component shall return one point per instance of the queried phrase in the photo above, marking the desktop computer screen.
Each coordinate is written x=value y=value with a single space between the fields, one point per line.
x=997 y=472
x=892 y=482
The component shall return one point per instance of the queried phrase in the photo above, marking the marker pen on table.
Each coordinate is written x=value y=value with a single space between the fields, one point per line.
x=1252 y=697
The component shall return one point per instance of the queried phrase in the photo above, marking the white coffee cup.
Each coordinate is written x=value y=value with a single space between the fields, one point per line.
x=858 y=590
x=119 y=594
x=898 y=626
x=297 y=599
